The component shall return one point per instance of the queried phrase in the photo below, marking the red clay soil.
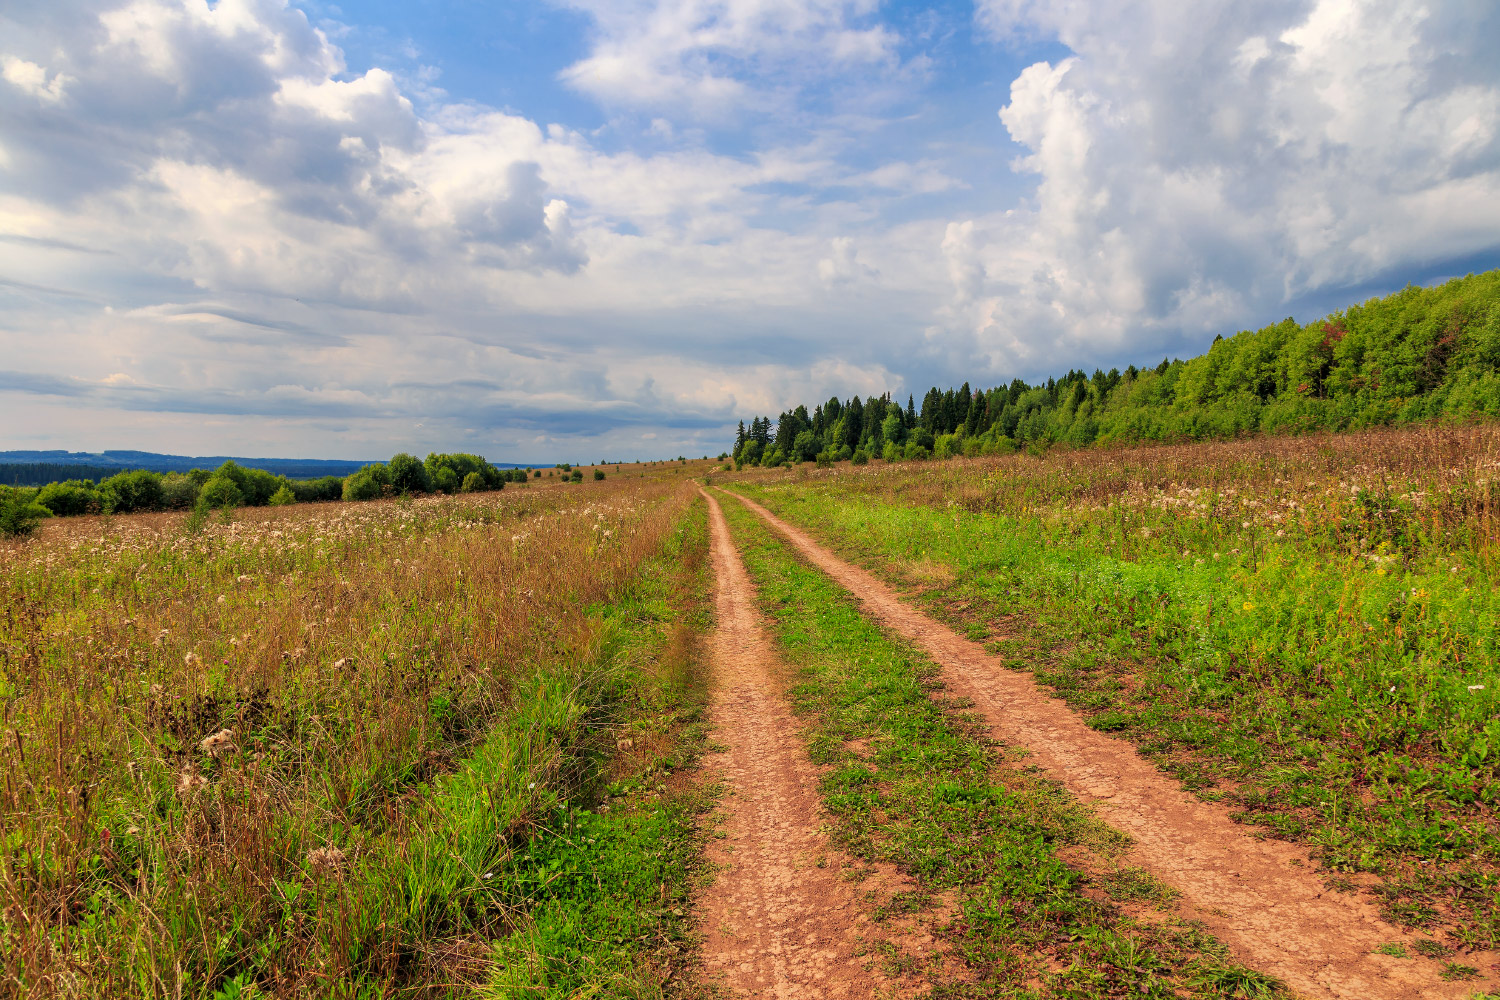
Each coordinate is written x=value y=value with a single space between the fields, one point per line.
x=780 y=919
x=1261 y=898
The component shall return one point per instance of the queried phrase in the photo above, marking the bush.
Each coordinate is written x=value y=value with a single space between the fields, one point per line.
x=915 y=452
x=537 y=474
x=473 y=483
x=74 y=496
x=598 y=474
x=845 y=453
x=859 y=457
x=283 y=497
x=577 y=476
x=318 y=490
x=179 y=491
x=220 y=492
x=19 y=514
x=824 y=460
x=409 y=475
x=892 y=452
x=129 y=492
x=445 y=480
x=362 y=486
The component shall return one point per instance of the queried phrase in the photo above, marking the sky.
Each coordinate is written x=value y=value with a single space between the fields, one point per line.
x=611 y=229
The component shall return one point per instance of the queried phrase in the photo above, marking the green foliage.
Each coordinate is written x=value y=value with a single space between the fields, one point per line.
x=221 y=492
x=180 y=490
x=129 y=492
x=409 y=474
x=598 y=475
x=576 y=476
x=73 y=496
x=473 y=483
x=860 y=458
x=283 y=497
x=363 y=486
x=19 y=513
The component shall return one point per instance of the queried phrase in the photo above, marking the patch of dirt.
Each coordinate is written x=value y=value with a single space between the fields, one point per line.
x=1262 y=898
x=787 y=916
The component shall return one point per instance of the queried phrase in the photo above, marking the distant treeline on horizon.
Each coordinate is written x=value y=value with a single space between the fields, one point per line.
x=233 y=485
x=1420 y=354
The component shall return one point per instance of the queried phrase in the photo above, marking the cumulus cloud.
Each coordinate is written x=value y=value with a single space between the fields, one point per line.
x=709 y=58
x=1195 y=169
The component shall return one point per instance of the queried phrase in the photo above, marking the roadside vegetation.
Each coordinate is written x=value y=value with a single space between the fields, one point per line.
x=1032 y=900
x=1303 y=628
x=424 y=747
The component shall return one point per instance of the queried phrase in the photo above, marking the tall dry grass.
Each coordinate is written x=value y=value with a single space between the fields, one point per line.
x=199 y=724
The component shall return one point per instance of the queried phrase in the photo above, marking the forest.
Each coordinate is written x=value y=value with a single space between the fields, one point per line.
x=1417 y=355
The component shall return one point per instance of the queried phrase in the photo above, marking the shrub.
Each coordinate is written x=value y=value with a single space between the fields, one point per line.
x=283 y=497
x=598 y=474
x=537 y=474
x=859 y=457
x=445 y=480
x=179 y=491
x=473 y=483
x=74 y=496
x=128 y=492
x=19 y=513
x=824 y=460
x=361 y=486
x=260 y=486
x=915 y=451
x=577 y=476
x=220 y=492
x=845 y=453
x=891 y=452
x=409 y=475
x=316 y=490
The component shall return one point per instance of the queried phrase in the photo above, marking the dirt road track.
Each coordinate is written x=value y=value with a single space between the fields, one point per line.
x=1261 y=898
x=775 y=922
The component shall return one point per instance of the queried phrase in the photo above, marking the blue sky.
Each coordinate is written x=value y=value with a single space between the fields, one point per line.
x=617 y=227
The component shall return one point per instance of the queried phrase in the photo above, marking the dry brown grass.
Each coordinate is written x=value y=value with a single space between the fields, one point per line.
x=196 y=724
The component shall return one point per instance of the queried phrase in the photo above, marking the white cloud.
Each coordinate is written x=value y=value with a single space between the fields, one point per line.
x=708 y=58
x=1196 y=167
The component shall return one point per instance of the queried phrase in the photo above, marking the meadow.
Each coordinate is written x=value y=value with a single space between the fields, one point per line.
x=415 y=746
x=1306 y=629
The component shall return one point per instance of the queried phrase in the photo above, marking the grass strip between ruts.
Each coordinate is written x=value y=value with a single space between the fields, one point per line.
x=1038 y=907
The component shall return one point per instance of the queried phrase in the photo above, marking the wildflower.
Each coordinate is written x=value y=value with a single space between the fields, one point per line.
x=189 y=782
x=340 y=663
x=1247 y=606
x=1476 y=687
x=219 y=743
x=325 y=859
x=192 y=659
x=1381 y=571
x=221 y=599
x=244 y=578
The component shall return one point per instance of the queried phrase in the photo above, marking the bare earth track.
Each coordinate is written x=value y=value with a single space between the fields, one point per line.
x=1261 y=898
x=780 y=920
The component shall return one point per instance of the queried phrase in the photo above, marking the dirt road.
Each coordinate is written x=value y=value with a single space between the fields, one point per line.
x=1261 y=898
x=780 y=920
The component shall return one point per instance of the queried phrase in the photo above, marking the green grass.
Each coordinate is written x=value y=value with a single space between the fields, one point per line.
x=911 y=780
x=1321 y=659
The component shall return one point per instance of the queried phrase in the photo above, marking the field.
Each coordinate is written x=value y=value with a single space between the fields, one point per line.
x=480 y=745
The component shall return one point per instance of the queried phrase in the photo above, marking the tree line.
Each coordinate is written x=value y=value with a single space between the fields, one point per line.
x=1419 y=354
x=233 y=485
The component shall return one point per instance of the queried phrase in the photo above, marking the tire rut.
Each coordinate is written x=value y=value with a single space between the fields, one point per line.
x=1261 y=898
x=780 y=919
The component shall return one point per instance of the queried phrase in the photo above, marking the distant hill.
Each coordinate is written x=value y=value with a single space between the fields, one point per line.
x=37 y=468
